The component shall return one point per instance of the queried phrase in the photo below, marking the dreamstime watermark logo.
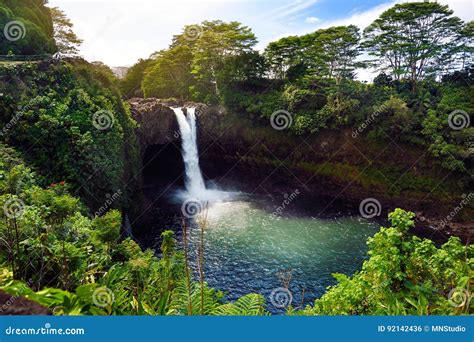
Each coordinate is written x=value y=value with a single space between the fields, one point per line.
x=108 y=202
x=459 y=120
x=459 y=297
x=103 y=120
x=23 y=288
x=285 y=203
x=14 y=30
x=14 y=208
x=177 y=134
x=191 y=208
x=370 y=120
x=376 y=290
x=59 y=310
x=281 y=119
x=14 y=120
x=46 y=330
x=201 y=109
x=281 y=297
x=12 y=123
x=103 y=297
x=369 y=208
x=192 y=32
x=464 y=202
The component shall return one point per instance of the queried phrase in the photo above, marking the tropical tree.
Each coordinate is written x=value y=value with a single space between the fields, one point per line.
x=66 y=40
x=282 y=55
x=334 y=52
x=326 y=53
x=466 y=47
x=170 y=74
x=415 y=40
x=131 y=84
x=25 y=28
x=217 y=44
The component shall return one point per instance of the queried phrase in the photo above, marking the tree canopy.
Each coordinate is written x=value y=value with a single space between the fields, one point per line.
x=325 y=53
x=26 y=28
x=66 y=40
x=417 y=40
x=199 y=61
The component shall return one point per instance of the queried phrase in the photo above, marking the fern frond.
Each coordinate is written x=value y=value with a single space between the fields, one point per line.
x=248 y=305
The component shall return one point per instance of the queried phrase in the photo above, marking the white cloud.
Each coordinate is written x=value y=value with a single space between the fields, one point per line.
x=293 y=8
x=312 y=20
x=118 y=32
x=360 y=19
x=464 y=9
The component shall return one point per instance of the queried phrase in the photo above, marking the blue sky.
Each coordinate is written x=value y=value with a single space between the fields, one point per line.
x=119 y=32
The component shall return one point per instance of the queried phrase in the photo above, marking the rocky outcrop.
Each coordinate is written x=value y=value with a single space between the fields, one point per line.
x=16 y=305
x=156 y=120
x=332 y=163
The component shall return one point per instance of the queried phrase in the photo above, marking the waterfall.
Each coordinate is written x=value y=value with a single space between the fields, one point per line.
x=195 y=186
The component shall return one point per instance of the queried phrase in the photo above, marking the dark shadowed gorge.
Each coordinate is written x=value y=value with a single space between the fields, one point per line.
x=217 y=178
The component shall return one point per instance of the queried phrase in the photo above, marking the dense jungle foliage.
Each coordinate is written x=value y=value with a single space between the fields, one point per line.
x=48 y=109
x=54 y=253
x=32 y=17
x=59 y=245
x=423 y=53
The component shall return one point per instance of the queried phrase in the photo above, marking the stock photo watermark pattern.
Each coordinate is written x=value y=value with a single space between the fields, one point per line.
x=46 y=330
x=191 y=208
x=219 y=176
x=109 y=202
x=465 y=201
x=14 y=208
x=282 y=297
x=458 y=120
x=288 y=199
x=103 y=297
x=460 y=297
x=370 y=208
x=369 y=121
x=14 y=30
x=281 y=120
x=103 y=120
x=193 y=32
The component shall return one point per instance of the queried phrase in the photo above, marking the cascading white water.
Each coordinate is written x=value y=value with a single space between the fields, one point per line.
x=195 y=187
x=187 y=125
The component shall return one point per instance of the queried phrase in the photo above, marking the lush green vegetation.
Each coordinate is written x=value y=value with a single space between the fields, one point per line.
x=422 y=51
x=53 y=253
x=69 y=156
x=405 y=275
x=201 y=62
x=26 y=16
x=69 y=118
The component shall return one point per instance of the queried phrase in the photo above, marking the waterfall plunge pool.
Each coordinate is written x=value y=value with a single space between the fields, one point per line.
x=286 y=256
x=249 y=250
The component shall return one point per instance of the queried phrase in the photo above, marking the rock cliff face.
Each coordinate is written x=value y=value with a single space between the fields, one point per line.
x=258 y=159
x=334 y=165
x=16 y=305
x=156 y=120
